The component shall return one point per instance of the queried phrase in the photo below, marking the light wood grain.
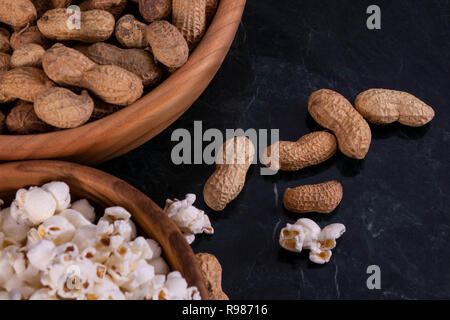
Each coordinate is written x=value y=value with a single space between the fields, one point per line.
x=105 y=190
x=130 y=127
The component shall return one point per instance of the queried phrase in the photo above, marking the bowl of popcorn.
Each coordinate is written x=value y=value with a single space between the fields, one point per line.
x=92 y=88
x=72 y=232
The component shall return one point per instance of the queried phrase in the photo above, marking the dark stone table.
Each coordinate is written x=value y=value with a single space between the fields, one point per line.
x=396 y=201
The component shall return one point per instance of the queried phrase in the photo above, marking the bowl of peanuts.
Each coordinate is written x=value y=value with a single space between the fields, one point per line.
x=73 y=229
x=89 y=80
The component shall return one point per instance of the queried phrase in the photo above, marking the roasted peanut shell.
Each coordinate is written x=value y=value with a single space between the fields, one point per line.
x=212 y=273
x=2 y=122
x=4 y=40
x=62 y=108
x=17 y=13
x=28 y=35
x=382 y=106
x=167 y=44
x=311 y=149
x=23 y=120
x=23 y=83
x=232 y=164
x=28 y=55
x=103 y=109
x=5 y=61
x=115 y=7
x=65 y=65
x=130 y=32
x=211 y=8
x=190 y=18
x=332 y=111
x=321 y=198
x=152 y=10
x=137 y=61
x=95 y=25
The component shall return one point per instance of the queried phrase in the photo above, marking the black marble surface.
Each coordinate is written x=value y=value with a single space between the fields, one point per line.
x=396 y=201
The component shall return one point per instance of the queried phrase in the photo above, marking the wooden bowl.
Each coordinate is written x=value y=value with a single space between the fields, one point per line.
x=130 y=127
x=105 y=190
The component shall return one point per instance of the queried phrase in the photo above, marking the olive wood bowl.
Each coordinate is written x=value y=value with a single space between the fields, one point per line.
x=134 y=125
x=104 y=190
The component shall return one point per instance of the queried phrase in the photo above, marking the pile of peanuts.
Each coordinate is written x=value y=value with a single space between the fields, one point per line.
x=64 y=63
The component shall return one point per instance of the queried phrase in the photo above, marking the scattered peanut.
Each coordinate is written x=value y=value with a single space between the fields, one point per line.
x=138 y=61
x=27 y=35
x=103 y=109
x=382 y=106
x=130 y=32
x=332 y=111
x=311 y=149
x=152 y=10
x=4 y=40
x=28 y=55
x=232 y=163
x=115 y=7
x=95 y=25
x=5 y=61
x=62 y=108
x=167 y=43
x=23 y=120
x=112 y=84
x=212 y=272
x=23 y=83
x=17 y=13
x=322 y=198
x=190 y=18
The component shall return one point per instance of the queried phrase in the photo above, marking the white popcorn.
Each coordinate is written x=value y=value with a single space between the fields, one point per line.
x=188 y=218
x=75 y=218
x=84 y=207
x=320 y=257
x=12 y=229
x=306 y=234
x=311 y=229
x=41 y=254
x=43 y=294
x=159 y=265
x=292 y=237
x=60 y=192
x=106 y=290
x=57 y=229
x=329 y=235
x=143 y=273
x=33 y=206
x=50 y=250
x=85 y=237
x=176 y=286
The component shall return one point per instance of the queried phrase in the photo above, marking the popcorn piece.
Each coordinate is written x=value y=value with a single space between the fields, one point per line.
x=12 y=229
x=292 y=237
x=176 y=286
x=6 y=270
x=306 y=234
x=75 y=218
x=320 y=257
x=155 y=247
x=57 y=229
x=117 y=213
x=60 y=192
x=106 y=290
x=85 y=237
x=329 y=235
x=143 y=273
x=43 y=294
x=84 y=207
x=41 y=254
x=311 y=230
x=33 y=206
x=188 y=218
x=160 y=266
x=4 y=295
x=33 y=237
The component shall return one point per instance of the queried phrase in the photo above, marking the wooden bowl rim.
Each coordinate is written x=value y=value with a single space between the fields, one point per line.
x=38 y=172
x=227 y=17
